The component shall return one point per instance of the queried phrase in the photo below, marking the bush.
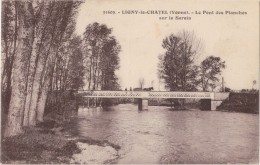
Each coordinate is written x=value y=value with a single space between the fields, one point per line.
x=241 y=102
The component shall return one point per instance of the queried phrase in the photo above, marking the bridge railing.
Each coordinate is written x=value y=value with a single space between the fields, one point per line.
x=145 y=94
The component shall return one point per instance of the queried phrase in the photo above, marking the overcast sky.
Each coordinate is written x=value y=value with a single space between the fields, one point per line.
x=234 y=38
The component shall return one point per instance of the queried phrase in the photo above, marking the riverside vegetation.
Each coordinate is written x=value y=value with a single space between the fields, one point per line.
x=43 y=62
x=49 y=141
x=42 y=55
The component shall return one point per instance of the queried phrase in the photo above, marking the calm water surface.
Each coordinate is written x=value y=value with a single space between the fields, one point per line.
x=162 y=136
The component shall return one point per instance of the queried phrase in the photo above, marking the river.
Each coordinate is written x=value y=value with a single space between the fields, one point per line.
x=159 y=135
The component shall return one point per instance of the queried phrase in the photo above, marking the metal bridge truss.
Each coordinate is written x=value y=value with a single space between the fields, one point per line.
x=145 y=94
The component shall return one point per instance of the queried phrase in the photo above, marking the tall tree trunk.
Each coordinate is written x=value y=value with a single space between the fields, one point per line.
x=37 y=49
x=90 y=73
x=43 y=60
x=39 y=72
x=7 y=70
x=31 y=71
x=24 y=47
x=42 y=101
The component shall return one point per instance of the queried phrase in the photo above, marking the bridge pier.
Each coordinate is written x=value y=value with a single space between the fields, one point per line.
x=142 y=104
x=213 y=103
x=209 y=104
x=205 y=104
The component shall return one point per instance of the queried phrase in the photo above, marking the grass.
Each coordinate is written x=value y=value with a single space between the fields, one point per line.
x=38 y=146
x=241 y=102
x=44 y=144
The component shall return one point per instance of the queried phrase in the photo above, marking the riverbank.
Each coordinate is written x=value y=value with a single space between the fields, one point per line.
x=241 y=102
x=38 y=146
x=50 y=143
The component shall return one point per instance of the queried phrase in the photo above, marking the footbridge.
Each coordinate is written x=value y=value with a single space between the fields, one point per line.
x=208 y=99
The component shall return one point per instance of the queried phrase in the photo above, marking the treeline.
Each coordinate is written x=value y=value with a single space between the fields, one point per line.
x=178 y=69
x=101 y=57
x=36 y=36
x=39 y=51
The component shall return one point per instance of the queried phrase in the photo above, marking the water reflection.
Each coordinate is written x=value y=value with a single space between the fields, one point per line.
x=162 y=136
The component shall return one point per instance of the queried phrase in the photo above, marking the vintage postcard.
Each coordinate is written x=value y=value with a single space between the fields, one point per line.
x=130 y=82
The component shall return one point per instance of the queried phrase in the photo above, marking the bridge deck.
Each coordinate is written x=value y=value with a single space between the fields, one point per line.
x=145 y=94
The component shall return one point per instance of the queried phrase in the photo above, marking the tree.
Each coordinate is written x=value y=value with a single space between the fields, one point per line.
x=75 y=69
x=101 y=51
x=24 y=47
x=101 y=56
x=42 y=23
x=176 y=66
x=109 y=63
x=33 y=34
x=93 y=40
x=210 y=69
x=56 y=62
x=62 y=13
x=9 y=45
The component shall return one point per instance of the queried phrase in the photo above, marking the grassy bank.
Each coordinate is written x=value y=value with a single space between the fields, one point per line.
x=38 y=145
x=241 y=102
x=49 y=142
x=46 y=143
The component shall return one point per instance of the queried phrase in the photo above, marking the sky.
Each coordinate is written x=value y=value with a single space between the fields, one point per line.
x=234 y=38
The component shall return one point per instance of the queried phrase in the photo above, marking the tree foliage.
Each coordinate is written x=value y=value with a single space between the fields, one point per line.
x=41 y=54
x=210 y=69
x=35 y=57
x=75 y=68
x=101 y=57
x=176 y=66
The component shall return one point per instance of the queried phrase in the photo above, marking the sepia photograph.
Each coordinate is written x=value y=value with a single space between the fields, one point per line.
x=130 y=81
